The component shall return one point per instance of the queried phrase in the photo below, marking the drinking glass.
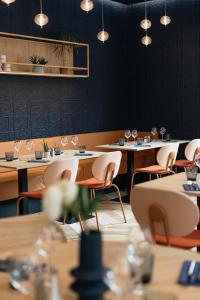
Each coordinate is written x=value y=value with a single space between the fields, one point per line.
x=29 y=145
x=162 y=131
x=134 y=134
x=63 y=141
x=141 y=259
x=127 y=135
x=17 y=146
x=191 y=173
x=74 y=140
x=154 y=131
x=117 y=275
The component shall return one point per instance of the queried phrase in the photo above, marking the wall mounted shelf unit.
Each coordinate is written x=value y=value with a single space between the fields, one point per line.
x=65 y=59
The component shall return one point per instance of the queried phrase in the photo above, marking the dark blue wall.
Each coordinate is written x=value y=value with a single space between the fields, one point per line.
x=37 y=107
x=165 y=77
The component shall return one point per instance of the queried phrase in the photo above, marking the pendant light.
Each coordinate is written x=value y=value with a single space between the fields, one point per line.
x=165 y=20
x=103 y=35
x=145 y=23
x=8 y=2
x=146 y=40
x=41 y=19
x=87 y=5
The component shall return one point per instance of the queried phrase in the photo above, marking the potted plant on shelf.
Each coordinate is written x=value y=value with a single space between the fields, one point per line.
x=65 y=52
x=38 y=63
x=66 y=198
x=46 y=150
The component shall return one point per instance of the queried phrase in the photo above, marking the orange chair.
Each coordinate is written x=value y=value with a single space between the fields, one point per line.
x=166 y=157
x=104 y=169
x=191 y=151
x=158 y=210
x=56 y=171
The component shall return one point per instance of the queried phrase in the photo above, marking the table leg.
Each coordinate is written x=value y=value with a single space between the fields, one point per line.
x=130 y=170
x=22 y=185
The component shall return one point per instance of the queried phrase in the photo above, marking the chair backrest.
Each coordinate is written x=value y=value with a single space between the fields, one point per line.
x=191 y=148
x=163 y=155
x=22 y=231
x=102 y=164
x=181 y=212
x=59 y=170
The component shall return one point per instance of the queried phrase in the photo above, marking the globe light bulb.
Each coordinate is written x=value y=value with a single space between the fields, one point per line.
x=87 y=5
x=41 y=19
x=165 y=20
x=8 y=2
x=145 y=24
x=146 y=40
x=103 y=36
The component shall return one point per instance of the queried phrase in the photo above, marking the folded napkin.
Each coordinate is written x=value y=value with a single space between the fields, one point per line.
x=38 y=161
x=83 y=154
x=143 y=145
x=190 y=273
x=191 y=187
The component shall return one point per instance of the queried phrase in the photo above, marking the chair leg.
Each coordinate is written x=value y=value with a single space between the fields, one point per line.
x=17 y=205
x=96 y=214
x=80 y=221
x=157 y=176
x=150 y=176
x=121 y=203
x=133 y=179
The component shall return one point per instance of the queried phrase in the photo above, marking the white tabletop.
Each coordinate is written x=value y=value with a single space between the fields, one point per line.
x=22 y=162
x=130 y=146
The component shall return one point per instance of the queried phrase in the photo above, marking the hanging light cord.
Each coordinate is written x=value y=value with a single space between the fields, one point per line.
x=145 y=9
x=165 y=7
x=102 y=14
x=41 y=6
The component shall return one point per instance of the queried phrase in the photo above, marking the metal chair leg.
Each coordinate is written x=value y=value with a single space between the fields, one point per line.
x=80 y=221
x=133 y=179
x=157 y=176
x=121 y=203
x=150 y=176
x=17 y=205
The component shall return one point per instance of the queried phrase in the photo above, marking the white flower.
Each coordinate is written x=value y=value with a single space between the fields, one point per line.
x=52 y=202
x=69 y=192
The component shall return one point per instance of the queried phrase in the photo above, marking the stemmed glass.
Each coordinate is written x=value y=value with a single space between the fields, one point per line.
x=74 y=140
x=29 y=145
x=134 y=134
x=127 y=135
x=63 y=140
x=162 y=131
x=17 y=146
x=154 y=131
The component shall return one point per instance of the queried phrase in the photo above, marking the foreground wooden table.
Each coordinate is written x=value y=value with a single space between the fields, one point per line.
x=167 y=267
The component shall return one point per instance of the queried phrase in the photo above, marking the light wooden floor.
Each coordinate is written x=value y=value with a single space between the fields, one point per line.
x=111 y=222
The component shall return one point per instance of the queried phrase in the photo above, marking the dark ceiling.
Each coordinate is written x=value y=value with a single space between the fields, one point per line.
x=130 y=1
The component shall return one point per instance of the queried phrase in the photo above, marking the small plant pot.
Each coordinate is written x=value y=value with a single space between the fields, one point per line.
x=47 y=154
x=38 y=69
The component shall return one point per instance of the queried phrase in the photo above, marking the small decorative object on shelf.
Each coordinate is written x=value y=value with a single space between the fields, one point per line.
x=46 y=150
x=6 y=67
x=3 y=58
x=40 y=61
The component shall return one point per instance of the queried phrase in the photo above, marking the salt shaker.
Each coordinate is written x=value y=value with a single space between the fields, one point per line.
x=55 y=292
x=52 y=152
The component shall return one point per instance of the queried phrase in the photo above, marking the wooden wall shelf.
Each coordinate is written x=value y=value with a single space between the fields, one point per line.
x=72 y=62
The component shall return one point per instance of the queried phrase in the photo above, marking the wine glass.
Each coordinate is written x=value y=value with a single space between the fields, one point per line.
x=154 y=131
x=63 y=141
x=162 y=131
x=127 y=135
x=17 y=146
x=74 y=140
x=29 y=145
x=117 y=272
x=134 y=134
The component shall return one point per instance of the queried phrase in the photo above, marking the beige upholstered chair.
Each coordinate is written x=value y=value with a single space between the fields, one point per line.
x=104 y=169
x=22 y=231
x=191 y=151
x=171 y=216
x=166 y=157
x=58 y=170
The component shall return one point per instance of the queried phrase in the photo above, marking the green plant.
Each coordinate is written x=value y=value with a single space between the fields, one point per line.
x=45 y=146
x=37 y=60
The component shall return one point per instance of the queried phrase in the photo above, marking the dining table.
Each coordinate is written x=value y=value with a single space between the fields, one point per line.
x=167 y=266
x=25 y=162
x=132 y=147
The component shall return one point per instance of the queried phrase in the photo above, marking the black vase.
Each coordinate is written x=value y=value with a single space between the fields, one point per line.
x=89 y=275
